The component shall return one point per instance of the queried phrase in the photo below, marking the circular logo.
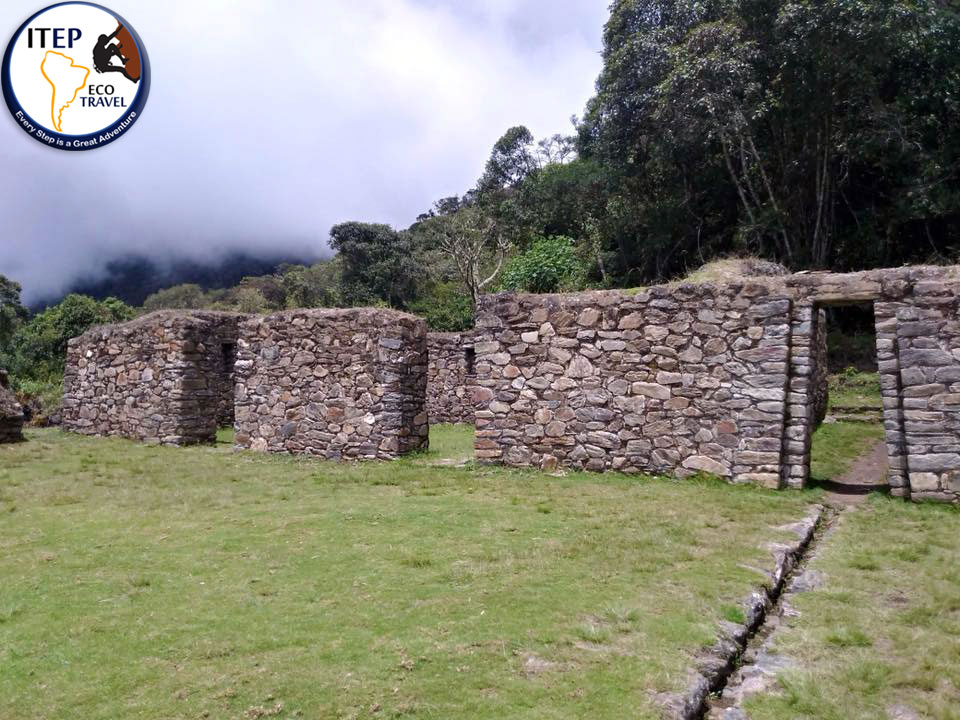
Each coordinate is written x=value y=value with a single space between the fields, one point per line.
x=75 y=76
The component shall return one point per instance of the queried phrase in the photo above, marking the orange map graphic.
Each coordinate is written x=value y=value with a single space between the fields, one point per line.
x=67 y=80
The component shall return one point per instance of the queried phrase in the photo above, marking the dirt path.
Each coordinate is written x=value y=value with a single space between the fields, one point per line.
x=867 y=474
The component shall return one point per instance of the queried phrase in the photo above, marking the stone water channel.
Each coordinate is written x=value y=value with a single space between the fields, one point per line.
x=758 y=666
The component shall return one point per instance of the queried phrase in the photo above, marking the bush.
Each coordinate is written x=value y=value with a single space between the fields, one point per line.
x=446 y=307
x=550 y=265
x=42 y=402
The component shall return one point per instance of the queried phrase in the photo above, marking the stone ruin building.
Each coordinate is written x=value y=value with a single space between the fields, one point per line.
x=726 y=378
x=716 y=377
x=164 y=378
x=333 y=383
x=11 y=414
x=450 y=378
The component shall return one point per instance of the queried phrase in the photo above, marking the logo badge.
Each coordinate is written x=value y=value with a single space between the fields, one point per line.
x=75 y=76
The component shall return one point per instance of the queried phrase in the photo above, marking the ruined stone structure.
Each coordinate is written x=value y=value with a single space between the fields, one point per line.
x=450 y=378
x=163 y=378
x=716 y=378
x=820 y=372
x=333 y=383
x=668 y=379
x=723 y=378
x=918 y=356
x=11 y=414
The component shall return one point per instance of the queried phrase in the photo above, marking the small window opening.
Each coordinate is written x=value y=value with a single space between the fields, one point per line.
x=471 y=356
x=229 y=356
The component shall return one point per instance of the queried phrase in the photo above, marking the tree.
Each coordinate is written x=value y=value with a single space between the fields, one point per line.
x=179 y=297
x=12 y=311
x=822 y=134
x=472 y=240
x=40 y=345
x=445 y=307
x=264 y=291
x=512 y=160
x=376 y=264
x=515 y=163
x=314 y=286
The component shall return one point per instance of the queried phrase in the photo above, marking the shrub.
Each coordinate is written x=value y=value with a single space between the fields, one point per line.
x=550 y=265
x=446 y=307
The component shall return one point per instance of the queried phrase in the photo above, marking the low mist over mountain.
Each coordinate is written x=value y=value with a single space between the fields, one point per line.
x=133 y=278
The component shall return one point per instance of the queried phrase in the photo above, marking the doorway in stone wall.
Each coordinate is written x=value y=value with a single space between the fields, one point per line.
x=848 y=454
x=225 y=400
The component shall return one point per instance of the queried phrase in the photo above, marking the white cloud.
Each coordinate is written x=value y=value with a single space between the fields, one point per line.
x=268 y=122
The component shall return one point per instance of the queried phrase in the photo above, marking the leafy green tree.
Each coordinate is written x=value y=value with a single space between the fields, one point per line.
x=179 y=297
x=40 y=345
x=822 y=134
x=12 y=311
x=264 y=291
x=250 y=300
x=512 y=160
x=376 y=264
x=314 y=286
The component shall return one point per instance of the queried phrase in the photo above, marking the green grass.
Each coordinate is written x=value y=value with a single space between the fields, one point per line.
x=884 y=629
x=853 y=388
x=835 y=446
x=144 y=582
x=453 y=443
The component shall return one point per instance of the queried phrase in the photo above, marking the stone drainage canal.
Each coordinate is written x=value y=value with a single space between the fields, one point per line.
x=755 y=670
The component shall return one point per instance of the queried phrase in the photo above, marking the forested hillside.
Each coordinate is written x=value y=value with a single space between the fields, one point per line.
x=132 y=279
x=817 y=134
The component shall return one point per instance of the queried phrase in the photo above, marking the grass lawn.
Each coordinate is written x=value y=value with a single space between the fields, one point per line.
x=835 y=446
x=881 y=637
x=144 y=582
x=854 y=389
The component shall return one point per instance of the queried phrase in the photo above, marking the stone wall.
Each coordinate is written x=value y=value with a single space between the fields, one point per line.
x=450 y=377
x=161 y=378
x=721 y=378
x=333 y=383
x=922 y=341
x=11 y=414
x=671 y=379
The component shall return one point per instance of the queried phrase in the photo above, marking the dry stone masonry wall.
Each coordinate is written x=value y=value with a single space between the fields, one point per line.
x=921 y=339
x=11 y=414
x=721 y=378
x=450 y=378
x=333 y=383
x=162 y=378
x=726 y=379
x=680 y=380
x=918 y=351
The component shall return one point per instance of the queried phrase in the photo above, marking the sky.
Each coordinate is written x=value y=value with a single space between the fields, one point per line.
x=268 y=122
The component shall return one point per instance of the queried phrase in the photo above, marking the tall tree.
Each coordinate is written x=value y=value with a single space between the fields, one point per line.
x=472 y=240
x=817 y=133
x=376 y=263
x=12 y=311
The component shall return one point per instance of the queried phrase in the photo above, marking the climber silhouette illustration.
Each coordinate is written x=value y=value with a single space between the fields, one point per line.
x=106 y=50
